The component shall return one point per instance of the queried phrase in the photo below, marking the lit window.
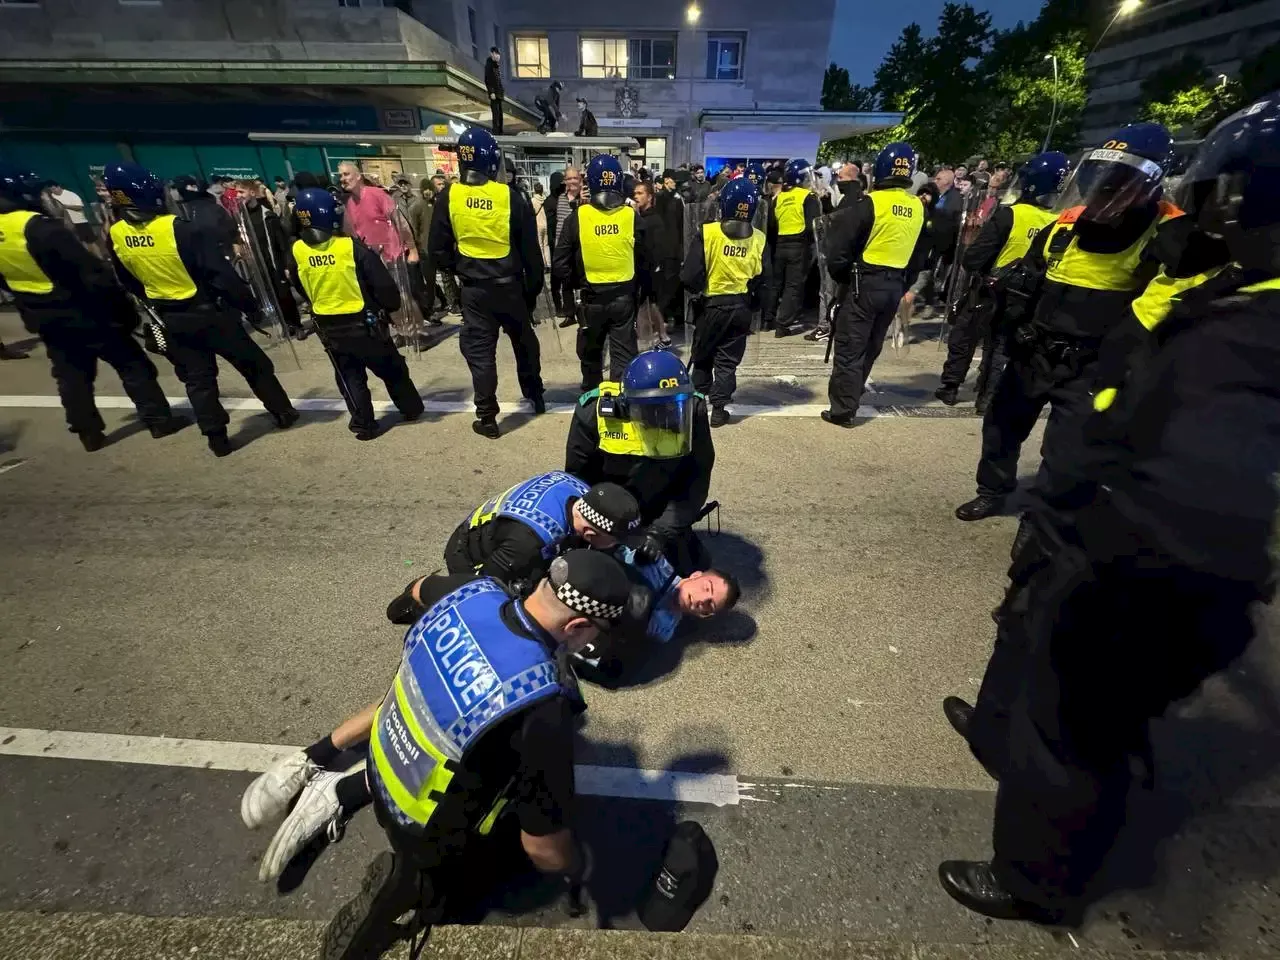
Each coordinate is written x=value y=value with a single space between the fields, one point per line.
x=604 y=57
x=533 y=57
x=652 y=59
x=724 y=57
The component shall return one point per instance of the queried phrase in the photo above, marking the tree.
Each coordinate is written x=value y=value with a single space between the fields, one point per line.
x=839 y=94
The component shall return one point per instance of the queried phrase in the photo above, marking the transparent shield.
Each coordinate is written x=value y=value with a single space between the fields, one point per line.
x=826 y=285
x=976 y=210
x=254 y=262
x=695 y=215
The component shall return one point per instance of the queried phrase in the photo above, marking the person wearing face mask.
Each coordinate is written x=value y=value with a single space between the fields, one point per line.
x=1095 y=262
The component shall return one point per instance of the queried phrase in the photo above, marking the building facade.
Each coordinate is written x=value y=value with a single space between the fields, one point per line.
x=1221 y=33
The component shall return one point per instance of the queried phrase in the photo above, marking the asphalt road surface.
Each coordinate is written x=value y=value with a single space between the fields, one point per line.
x=152 y=591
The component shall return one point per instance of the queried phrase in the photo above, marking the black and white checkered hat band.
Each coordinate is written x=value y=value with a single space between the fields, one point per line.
x=600 y=521
x=574 y=599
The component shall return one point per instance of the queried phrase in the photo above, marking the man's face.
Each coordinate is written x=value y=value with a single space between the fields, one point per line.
x=495 y=55
x=982 y=165
x=700 y=175
x=669 y=183
x=349 y=177
x=703 y=594
x=944 y=180
x=999 y=179
x=437 y=183
x=572 y=184
x=642 y=197
x=243 y=192
x=56 y=189
x=961 y=171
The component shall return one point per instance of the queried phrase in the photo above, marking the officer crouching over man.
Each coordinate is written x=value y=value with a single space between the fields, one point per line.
x=1145 y=559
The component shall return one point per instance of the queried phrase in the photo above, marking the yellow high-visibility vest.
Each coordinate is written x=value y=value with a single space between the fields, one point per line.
x=149 y=251
x=899 y=218
x=608 y=242
x=19 y=268
x=731 y=263
x=1028 y=220
x=328 y=276
x=1099 y=271
x=481 y=219
x=788 y=209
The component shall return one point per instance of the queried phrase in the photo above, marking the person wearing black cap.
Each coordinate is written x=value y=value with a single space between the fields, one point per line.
x=514 y=536
x=477 y=723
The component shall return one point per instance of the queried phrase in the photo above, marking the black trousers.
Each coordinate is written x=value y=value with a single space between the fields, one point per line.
x=609 y=320
x=791 y=263
x=858 y=338
x=1097 y=652
x=667 y=292
x=487 y=310
x=196 y=340
x=972 y=326
x=562 y=297
x=74 y=352
x=769 y=293
x=430 y=277
x=354 y=357
x=495 y=115
x=719 y=342
x=549 y=119
x=457 y=551
x=1059 y=375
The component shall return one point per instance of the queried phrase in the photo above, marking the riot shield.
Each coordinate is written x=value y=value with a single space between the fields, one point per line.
x=406 y=322
x=695 y=215
x=256 y=264
x=976 y=208
x=826 y=285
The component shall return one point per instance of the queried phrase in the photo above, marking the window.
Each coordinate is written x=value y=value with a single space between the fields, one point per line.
x=724 y=56
x=604 y=57
x=532 y=57
x=651 y=59
x=471 y=26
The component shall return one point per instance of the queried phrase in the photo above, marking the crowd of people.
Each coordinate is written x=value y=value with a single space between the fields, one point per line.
x=1146 y=319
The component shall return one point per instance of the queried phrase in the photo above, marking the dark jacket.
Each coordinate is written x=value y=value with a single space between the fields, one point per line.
x=269 y=238
x=493 y=77
x=523 y=263
x=566 y=262
x=210 y=216
x=850 y=190
x=980 y=256
x=587 y=126
x=664 y=243
x=671 y=208
x=946 y=224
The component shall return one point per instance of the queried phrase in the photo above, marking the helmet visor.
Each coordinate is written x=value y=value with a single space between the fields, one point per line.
x=664 y=425
x=1108 y=183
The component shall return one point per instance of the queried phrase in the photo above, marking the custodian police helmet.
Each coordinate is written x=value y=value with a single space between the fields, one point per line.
x=478 y=153
x=21 y=188
x=316 y=209
x=133 y=186
x=1042 y=177
x=755 y=173
x=797 y=172
x=896 y=162
x=738 y=200
x=1124 y=173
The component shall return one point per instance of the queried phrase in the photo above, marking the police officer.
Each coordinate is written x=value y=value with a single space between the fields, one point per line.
x=183 y=274
x=67 y=296
x=1093 y=262
x=601 y=250
x=485 y=669
x=649 y=433
x=1146 y=589
x=483 y=230
x=515 y=535
x=725 y=268
x=1004 y=239
x=872 y=248
x=351 y=293
x=791 y=232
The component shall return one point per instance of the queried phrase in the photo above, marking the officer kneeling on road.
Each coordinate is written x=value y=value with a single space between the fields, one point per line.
x=1004 y=240
x=514 y=536
x=476 y=725
x=1148 y=583
x=650 y=434
x=725 y=268
x=67 y=297
x=601 y=251
x=873 y=246
x=483 y=230
x=184 y=275
x=351 y=293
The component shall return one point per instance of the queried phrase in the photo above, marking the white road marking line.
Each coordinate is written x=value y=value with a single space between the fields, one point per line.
x=12 y=464
x=337 y=405
x=717 y=789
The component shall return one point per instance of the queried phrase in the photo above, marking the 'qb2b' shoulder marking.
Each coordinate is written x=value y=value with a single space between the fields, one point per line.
x=479 y=203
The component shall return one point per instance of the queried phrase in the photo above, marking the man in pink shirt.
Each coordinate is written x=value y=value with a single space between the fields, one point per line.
x=370 y=215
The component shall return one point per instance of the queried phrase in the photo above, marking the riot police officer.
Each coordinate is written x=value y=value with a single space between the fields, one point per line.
x=1004 y=239
x=872 y=248
x=1092 y=258
x=184 y=276
x=725 y=269
x=66 y=295
x=649 y=433
x=515 y=535
x=790 y=231
x=483 y=230
x=351 y=293
x=1146 y=588
x=601 y=251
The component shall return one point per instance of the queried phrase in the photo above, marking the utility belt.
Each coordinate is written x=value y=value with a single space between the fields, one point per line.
x=728 y=301
x=350 y=326
x=604 y=292
x=488 y=281
x=1056 y=348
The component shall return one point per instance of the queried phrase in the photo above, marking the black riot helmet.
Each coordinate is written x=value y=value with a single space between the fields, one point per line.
x=20 y=189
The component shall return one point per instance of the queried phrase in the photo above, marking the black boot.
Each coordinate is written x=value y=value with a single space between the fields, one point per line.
x=959 y=714
x=354 y=932
x=973 y=884
x=845 y=421
x=219 y=443
x=285 y=419
x=948 y=394
x=539 y=404
x=980 y=507
x=486 y=427
x=170 y=426
x=93 y=441
x=8 y=353
x=719 y=416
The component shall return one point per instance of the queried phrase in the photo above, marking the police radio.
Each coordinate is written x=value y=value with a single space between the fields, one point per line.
x=613 y=407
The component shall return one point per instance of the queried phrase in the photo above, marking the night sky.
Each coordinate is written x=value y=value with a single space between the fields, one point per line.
x=863 y=32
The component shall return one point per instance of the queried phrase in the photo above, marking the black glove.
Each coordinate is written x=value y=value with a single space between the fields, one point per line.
x=531 y=300
x=650 y=550
x=404 y=610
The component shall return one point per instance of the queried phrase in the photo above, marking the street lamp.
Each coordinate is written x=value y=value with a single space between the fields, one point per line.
x=692 y=13
x=1126 y=7
x=1053 y=114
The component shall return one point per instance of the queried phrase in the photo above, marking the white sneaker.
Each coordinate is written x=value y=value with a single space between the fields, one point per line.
x=269 y=795
x=315 y=810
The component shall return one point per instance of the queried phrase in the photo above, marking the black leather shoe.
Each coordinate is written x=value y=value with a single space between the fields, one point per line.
x=568 y=322
x=831 y=418
x=539 y=404
x=8 y=353
x=948 y=395
x=958 y=714
x=93 y=441
x=973 y=884
x=486 y=428
x=287 y=419
x=790 y=331
x=219 y=443
x=719 y=416
x=980 y=507
x=167 y=427
x=366 y=434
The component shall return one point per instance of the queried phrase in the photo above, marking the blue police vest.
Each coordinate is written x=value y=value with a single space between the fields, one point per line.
x=661 y=578
x=463 y=670
x=541 y=503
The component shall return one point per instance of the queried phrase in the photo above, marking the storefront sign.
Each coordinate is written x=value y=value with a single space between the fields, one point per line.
x=629 y=123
